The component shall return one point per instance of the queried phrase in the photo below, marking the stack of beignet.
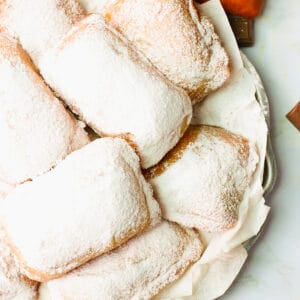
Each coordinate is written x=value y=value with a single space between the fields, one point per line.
x=131 y=72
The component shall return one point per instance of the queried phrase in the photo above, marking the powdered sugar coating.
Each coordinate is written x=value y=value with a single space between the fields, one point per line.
x=180 y=43
x=136 y=270
x=80 y=137
x=39 y=24
x=13 y=285
x=121 y=94
x=90 y=203
x=37 y=130
x=201 y=182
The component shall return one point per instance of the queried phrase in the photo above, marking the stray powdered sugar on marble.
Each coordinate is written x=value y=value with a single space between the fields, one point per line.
x=137 y=270
x=180 y=43
x=90 y=203
x=39 y=24
x=130 y=99
x=37 y=129
x=202 y=181
x=13 y=285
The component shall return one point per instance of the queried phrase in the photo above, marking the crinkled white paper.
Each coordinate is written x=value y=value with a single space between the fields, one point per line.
x=235 y=108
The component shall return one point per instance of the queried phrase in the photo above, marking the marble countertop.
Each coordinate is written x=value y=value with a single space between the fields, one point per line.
x=273 y=267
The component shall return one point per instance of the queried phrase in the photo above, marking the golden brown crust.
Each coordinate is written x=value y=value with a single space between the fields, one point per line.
x=189 y=137
x=175 y=154
x=128 y=137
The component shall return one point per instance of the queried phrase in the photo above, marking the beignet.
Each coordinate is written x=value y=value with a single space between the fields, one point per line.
x=39 y=24
x=200 y=183
x=116 y=91
x=36 y=129
x=137 y=270
x=92 y=202
x=13 y=285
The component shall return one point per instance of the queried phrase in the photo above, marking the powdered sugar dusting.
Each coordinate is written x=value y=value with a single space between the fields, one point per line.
x=80 y=137
x=183 y=45
x=37 y=129
x=137 y=270
x=203 y=186
x=13 y=285
x=129 y=99
x=39 y=24
x=89 y=204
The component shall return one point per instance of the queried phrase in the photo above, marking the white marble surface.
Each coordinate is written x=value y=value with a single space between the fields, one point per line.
x=273 y=267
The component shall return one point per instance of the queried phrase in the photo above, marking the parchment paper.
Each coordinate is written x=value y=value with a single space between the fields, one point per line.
x=235 y=108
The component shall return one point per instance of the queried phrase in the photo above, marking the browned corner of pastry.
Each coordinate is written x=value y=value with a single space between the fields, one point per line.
x=174 y=154
x=128 y=137
x=13 y=284
x=294 y=116
x=30 y=274
x=10 y=48
x=2 y=3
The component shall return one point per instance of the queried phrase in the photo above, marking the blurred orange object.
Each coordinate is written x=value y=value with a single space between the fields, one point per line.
x=244 y=8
